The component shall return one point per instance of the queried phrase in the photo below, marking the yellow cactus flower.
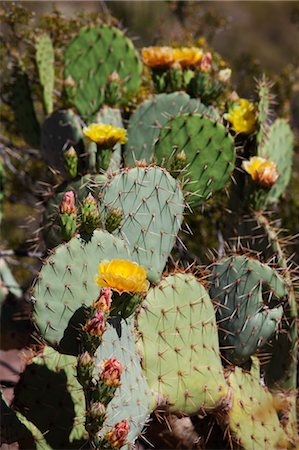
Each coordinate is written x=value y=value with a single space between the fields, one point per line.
x=187 y=56
x=105 y=135
x=158 y=57
x=263 y=172
x=122 y=276
x=242 y=116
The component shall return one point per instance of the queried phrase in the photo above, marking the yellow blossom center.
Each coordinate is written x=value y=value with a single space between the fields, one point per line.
x=242 y=116
x=122 y=276
x=187 y=56
x=157 y=57
x=105 y=135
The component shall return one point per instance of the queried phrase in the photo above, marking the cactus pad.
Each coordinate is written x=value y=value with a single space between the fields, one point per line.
x=49 y=395
x=61 y=130
x=249 y=296
x=133 y=400
x=209 y=150
x=45 y=65
x=279 y=147
x=93 y=55
x=66 y=286
x=152 y=206
x=179 y=345
x=253 y=419
x=146 y=122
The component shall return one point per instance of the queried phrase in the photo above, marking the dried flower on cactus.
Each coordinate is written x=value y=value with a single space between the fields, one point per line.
x=242 y=116
x=122 y=276
x=111 y=372
x=104 y=301
x=96 y=325
x=67 y=205
x=224 y=75
x=263 y=172
x=105 y=135
x=188 y=56
x=118 y=435
x=158 y=57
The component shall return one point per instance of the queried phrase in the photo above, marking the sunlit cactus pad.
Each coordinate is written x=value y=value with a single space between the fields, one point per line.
x=179 y=345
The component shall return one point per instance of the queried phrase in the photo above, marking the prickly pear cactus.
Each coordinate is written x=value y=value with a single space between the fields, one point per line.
x=253 y=417
x=65 y=286
x=249 y=297
x=209 y=152
x=50 y=382
x=45 y=65
x=145 y=123
x=179 y=346
x=152 y=206
x=93 y=55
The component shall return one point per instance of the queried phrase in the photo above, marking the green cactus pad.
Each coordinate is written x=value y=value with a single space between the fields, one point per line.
x=66 y=286
x=61 y=130
x=49 y=395
x=89 y=60
x=152 y=206
x=249 y=296
x=111 y=116
x=209 y=149
x=81 y=188
x=179 y=345
x=278 y=148
x=253 y=418
x=45 y=65
x=146 y=122
x=133 y=400
x=264 y=108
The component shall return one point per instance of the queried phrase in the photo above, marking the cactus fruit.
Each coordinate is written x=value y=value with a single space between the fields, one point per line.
x=21 y=99
x=278 y=148
x=45 y=65
x=249 y=296
x=179 y=346
x=65 y=287
x=146 y=122
x=133 y=400
x=49 y=381
x=81 y=188
x=209 y=149
x=152 y=205
x=61 y=131
x=93 y=55
x=253 y=417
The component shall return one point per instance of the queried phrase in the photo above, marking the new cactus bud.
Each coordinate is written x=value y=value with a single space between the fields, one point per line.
x=90 y=217
x=68 y=216
x=113 y=219
x=97 y=411
x=178 y=163
x=84 y=368
x=113 y=90
x=95 y=417
x=96 y=325
x=118 y=435
x=71 y=162
x=103 y=303
x=111 y=372
x=206 y=62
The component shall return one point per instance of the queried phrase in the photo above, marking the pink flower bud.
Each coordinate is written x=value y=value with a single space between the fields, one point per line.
x=67 y=204
x=104 y=301
x=111 y=372
x=205 y=62
x=96 y=325
x=85 y=359
x=119 y=433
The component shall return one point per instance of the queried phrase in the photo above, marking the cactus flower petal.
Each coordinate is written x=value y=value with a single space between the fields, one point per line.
x=122 y=276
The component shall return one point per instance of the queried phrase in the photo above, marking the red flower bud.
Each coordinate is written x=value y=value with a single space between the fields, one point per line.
x=111 y=372
x=67 y=204
x=96 y=325
x=119 y=433
x=205 y=62
x=104 y=301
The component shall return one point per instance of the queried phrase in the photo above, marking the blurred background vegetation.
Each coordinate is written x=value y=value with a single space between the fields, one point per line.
x=253 y=37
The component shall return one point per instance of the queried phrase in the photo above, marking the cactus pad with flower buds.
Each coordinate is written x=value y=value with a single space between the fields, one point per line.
x=249 y=296
x=93 y=55
x=152 y=205
x=66 y=286
x=209 y=150
x=179 y=346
